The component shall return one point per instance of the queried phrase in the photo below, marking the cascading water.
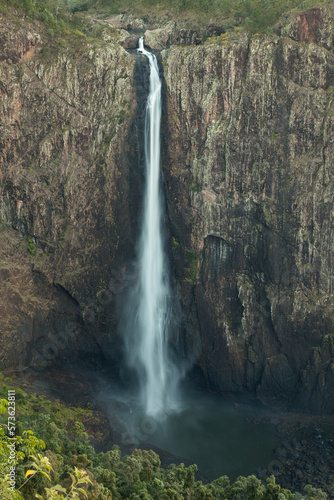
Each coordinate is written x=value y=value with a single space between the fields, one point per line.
x=203 y=429
x=147 y=343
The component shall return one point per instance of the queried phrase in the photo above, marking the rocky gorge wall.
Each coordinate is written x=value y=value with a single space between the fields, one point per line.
x=67 y=217
x=248 y=174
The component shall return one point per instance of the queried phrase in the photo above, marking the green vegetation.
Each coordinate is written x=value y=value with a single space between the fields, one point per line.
x=65 y=20
x=64 y=465
x=31 y=248
x=49 y=8
x=56 y=13
x=253 y=15
x=3 y=224
x=175 y=244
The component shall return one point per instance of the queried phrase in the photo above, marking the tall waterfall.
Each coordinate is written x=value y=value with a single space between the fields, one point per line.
x=148 y=340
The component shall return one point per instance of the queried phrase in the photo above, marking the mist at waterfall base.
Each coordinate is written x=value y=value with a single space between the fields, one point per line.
x=216 y=434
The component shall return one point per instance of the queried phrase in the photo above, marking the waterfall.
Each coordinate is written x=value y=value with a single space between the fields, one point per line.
x=147 y=347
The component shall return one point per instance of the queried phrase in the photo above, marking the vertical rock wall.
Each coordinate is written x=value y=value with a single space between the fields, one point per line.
x=68 y=188
x=249 y=171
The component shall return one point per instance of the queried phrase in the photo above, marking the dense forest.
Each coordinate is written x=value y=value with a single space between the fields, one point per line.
x=54 y=460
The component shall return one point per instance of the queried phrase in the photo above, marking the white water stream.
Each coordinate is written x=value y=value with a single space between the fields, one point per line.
x=149 y=351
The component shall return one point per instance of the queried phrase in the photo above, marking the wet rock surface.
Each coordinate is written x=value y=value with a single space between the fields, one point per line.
x=161 y=33
x=305 y=456
x=130 y=42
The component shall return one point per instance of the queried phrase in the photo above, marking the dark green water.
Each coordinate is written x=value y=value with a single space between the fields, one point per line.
x=210 y=432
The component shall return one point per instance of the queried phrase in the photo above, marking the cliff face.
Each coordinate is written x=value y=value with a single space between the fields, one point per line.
x=248 y=169
x=67 y=219
x=250 y=191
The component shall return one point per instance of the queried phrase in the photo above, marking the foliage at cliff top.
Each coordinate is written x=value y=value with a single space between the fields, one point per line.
x=66 y=25
x=61 y=463
x=254 y=15
x=62 y=17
